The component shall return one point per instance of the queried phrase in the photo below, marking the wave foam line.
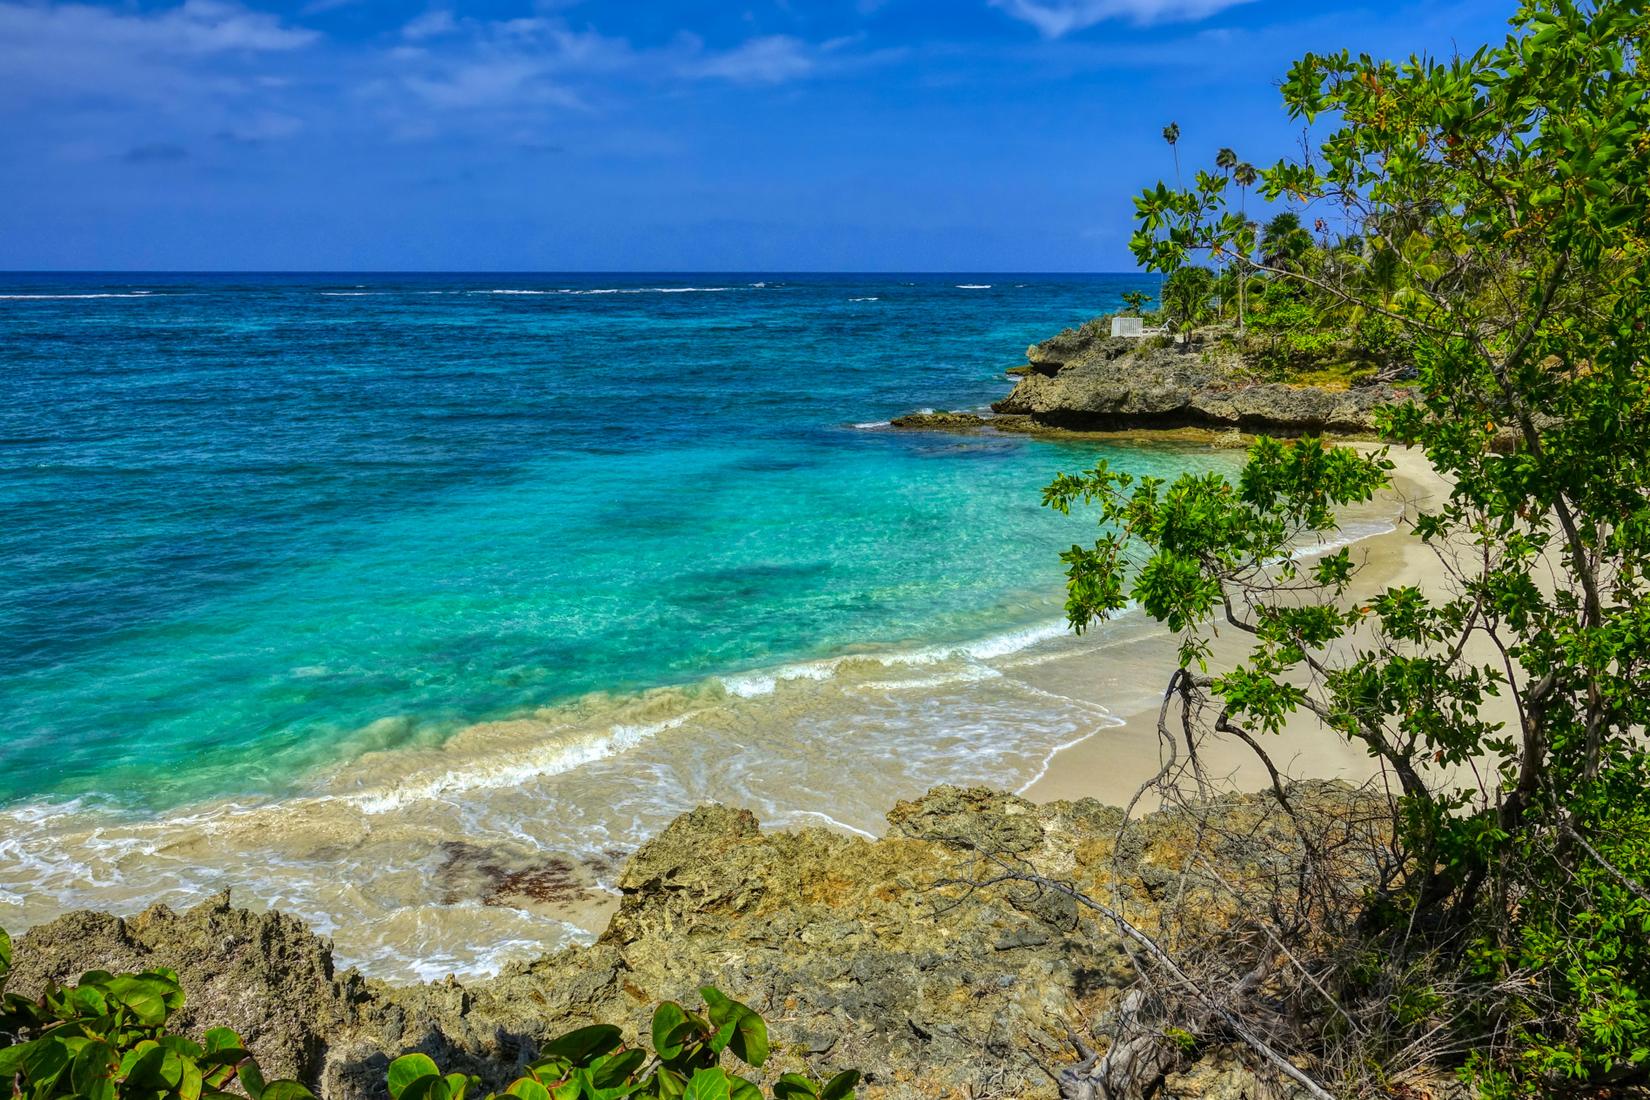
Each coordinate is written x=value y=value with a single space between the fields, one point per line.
x=551 y=759
x=64 y=297
x=612 y=290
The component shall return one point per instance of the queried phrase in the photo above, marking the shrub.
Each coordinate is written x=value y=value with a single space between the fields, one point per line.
x=106 y=1037
x=594 y=1063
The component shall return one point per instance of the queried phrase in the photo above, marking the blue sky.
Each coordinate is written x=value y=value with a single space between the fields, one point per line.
x=944 y=135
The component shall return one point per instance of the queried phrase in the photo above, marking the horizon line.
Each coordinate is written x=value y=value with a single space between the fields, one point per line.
x=544 y=271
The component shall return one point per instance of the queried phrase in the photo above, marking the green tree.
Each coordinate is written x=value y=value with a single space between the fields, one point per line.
x=1136 y=301
x=1505 y=190
x=1186 y=295
x=1284 y=242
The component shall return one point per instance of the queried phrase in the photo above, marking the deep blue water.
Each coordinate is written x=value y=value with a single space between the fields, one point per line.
x=251 y=525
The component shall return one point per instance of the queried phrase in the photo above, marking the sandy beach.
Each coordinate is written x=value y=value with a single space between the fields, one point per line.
x=1129 y=675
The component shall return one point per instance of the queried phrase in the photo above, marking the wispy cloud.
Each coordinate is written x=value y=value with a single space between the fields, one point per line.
x=1054 y=18
x=771 y=59
x=79 y=49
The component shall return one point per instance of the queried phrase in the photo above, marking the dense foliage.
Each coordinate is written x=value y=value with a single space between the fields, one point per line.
x=1492 y=210
x=106 y=1037
x=594 y=1063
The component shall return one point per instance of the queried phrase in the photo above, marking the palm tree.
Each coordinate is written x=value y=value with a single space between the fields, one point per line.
x=1284 y=243
x=1226 y=160
x=1244 y=175
x=1186 y=297
x=1171 y=134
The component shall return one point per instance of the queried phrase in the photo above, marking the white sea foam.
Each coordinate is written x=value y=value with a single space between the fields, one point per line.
x=351 y=293
x=37 y=297
x=873 y=298
x=973 y=286
x=552 y=758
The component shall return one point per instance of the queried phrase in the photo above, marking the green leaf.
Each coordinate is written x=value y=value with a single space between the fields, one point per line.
x=251 y=1079
x=407 y=1069
x=580 y=1046
x=149 y=997
x=222 y=1038
x=527 y=1089
x=5 y=956
x=45 y=1062
x=750 y=1039
x=286 y=1090
x=617 y=1069
x=741 y=1089
x=94 y=1070
x=840 y=1087
x=709 y=1084
x=12 y=1058
x=718 y=1006
x=667 y=1019
x=191 y=1082
x=794 y=1086
x=428 y=1087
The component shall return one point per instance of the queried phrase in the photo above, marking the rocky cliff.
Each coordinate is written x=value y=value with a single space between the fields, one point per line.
x=859 y=953
x=1085 y=380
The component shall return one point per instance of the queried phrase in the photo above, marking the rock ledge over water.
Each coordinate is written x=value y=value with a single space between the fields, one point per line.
x=1086 y=380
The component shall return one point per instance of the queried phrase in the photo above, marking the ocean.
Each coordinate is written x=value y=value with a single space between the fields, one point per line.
x=412 y=603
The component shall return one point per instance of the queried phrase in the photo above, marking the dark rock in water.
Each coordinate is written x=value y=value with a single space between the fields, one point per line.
x=1086 y=380
x=859 y=953
x=959 y=421
x=940 y=420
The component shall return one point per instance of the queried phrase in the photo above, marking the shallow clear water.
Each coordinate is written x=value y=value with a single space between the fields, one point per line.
x=478 y=551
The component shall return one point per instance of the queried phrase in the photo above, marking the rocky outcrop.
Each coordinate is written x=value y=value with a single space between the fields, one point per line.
x=872 y=954
x=1086 y=380
x=943 y=421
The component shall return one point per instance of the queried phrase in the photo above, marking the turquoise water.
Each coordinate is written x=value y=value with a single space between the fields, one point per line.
x=308 y=583
x=248 y=518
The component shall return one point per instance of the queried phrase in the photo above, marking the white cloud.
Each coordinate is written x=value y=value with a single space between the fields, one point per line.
x=48 y=50
x=1058 y=17
x=496 y=82
x=431 y=24
x=195 y=27
x=772 y=59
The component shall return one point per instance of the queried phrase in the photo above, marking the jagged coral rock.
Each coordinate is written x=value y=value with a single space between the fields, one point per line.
x=874 y=954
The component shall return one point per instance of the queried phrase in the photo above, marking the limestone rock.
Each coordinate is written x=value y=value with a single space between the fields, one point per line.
x=1086 y=380
x=878 y=955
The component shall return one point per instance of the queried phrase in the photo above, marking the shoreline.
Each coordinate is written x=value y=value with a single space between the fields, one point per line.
x=1111 y=765
x=452 y=857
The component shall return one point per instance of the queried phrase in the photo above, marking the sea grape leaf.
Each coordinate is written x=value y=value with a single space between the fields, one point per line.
x=286 y=1090
x=667 y=1018
x=794 y=1086
x=526 y=1088
x=709 y=1084
x=586 y=1043
x=617 y=1069
x=840 y=1087
x=409 y=1068
x=750 y=1038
